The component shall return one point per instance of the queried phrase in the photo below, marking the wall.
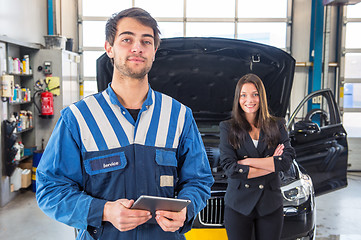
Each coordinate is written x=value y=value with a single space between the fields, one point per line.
x=300 y=49
x=24 y=20
x=27 y=20
x=66 y=20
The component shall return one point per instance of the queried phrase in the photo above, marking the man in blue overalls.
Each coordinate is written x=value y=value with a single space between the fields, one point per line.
x=126 y=141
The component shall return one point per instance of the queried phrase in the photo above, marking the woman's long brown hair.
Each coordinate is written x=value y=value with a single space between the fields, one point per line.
x=264 y=120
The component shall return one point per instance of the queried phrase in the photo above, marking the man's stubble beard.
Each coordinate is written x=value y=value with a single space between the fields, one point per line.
x=128 y=72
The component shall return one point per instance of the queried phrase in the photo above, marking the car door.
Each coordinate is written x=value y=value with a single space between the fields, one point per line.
x=320 y=141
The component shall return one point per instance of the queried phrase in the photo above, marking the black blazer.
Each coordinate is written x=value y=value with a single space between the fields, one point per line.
x=261 y=193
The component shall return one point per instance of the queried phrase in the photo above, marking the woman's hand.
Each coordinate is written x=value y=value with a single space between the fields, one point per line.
x=245 y=161
x=266 y=163
x=279 y=150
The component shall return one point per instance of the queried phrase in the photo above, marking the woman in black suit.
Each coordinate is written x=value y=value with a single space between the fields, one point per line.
x=254 y=147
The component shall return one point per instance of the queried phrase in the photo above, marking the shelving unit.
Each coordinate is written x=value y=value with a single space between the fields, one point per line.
x=16 y=49
x=25 y=130
x=20 y=103
x=65 y=65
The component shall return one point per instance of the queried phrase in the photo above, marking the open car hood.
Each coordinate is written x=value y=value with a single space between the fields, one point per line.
x=202 y=73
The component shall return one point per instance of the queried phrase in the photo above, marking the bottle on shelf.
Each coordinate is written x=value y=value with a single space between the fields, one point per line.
x=21 y=147
x=16 y=94
x=23 y=66
x=11 y=64
x=17 y=147
x=26 y=68
x=17 y=66
x=24 y=121
x=18 y=122
x=13 y=119
x=30 y=117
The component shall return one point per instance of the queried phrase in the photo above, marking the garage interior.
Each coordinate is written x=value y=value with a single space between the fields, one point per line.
x=321 y=35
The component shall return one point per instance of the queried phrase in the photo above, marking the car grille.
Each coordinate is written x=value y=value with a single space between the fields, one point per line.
x=213 y=213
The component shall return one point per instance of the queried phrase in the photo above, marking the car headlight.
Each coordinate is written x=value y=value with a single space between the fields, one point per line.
x=297 y=192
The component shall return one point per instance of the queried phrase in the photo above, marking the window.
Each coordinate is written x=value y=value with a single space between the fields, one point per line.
x=89 y=60
x=352 y=35
x=97 y=8
x=352 y=66
x=239 y=19
x=93 y=33
x=170 y=29
x=352 y=72
x=207 y=29
x=162 y=8
x=352 y=59
x=210 y=9
x=267 y=33
x=351 y=99
x=262 y=9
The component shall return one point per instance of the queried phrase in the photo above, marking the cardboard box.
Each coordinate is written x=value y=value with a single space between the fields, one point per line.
x=25 y=178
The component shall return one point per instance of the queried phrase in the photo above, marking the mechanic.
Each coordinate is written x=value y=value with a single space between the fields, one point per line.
x=129 y=140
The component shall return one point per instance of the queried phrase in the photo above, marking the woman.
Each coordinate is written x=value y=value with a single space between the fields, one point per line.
x=254 y=147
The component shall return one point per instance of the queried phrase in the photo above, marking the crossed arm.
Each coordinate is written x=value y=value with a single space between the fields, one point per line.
x=261 y=166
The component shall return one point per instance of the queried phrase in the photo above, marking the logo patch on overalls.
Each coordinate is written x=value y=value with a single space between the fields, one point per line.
x=166 y=181
x=106 y=163
x=103 y=163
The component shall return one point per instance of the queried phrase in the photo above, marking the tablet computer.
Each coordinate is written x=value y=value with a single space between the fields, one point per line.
x=153 y=203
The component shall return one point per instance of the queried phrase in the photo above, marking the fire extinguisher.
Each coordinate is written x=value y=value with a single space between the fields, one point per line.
x=46 y=109
x=47 y=104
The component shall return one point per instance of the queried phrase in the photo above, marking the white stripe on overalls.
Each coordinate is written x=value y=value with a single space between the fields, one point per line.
x=127 y=126
x=103 y=123
x=85 y=134
x=144 y=123
x=163 y=124
x=180 y=125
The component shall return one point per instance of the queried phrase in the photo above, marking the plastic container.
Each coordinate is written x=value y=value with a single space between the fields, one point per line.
x=29 y=151
x=36 y=159
x=54 y=42
x=26 y=64
x=18 y=154
x=21 y=149
x=15 y=179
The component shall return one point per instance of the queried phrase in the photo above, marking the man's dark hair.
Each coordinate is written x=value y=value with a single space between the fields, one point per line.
x=136 y=13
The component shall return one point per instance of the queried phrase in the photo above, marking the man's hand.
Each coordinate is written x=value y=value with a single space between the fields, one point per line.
x=123 y=218
x=171 y=221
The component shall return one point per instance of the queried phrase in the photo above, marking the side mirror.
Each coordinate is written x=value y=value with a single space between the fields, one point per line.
x=306 y=127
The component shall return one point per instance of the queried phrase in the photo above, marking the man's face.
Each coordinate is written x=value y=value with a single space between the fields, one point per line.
x=133 y=49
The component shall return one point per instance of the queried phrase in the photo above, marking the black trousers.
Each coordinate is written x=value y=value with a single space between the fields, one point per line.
x=240 y=227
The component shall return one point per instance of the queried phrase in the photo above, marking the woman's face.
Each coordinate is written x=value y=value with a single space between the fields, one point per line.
x=249 y=98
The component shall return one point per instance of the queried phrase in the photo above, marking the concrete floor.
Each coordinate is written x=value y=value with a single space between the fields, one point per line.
x=338 y=213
